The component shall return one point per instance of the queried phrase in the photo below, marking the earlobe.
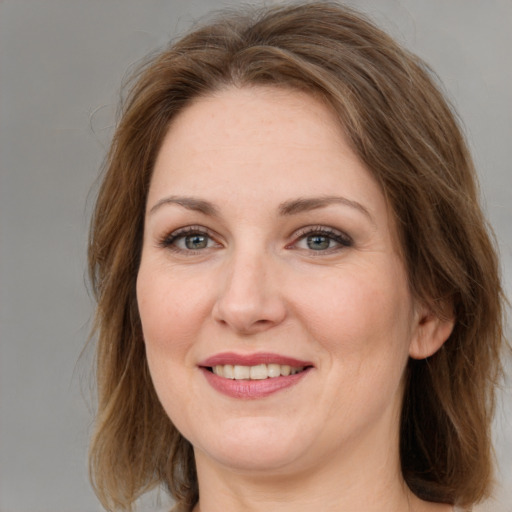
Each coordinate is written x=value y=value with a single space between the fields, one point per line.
x=430 y=334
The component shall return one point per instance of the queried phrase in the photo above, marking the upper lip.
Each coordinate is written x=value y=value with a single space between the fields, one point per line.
x=252 y=360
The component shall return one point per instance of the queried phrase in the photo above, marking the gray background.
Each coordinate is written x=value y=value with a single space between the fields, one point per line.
x=61 y=65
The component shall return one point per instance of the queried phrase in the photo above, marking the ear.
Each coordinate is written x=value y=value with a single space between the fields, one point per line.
x=431 y=331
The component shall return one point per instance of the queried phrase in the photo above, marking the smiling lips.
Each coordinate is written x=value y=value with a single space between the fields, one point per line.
x=252 y=376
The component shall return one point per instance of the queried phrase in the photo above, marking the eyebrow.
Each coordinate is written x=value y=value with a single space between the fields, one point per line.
x=190 y=203
x=305 y=204
x=291 y=207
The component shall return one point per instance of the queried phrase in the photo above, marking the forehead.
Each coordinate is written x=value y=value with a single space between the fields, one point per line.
x=255 y=117
x=284 y=137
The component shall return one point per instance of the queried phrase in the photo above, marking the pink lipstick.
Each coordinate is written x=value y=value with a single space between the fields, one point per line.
x=252 y=360
x=251 y=376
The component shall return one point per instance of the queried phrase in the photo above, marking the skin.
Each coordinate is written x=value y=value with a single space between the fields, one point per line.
x=331 y=440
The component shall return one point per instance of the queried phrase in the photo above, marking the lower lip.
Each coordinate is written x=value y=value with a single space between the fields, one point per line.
x=250 y=389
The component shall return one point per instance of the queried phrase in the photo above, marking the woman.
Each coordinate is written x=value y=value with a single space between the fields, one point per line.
x=299 y=304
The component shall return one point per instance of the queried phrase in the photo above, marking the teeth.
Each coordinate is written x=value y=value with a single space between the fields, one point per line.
x=229 y=372
x=242 y=372
x=258 y=372
x=273 y=370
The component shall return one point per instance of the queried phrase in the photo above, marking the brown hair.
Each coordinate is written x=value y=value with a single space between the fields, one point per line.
x=401 y=127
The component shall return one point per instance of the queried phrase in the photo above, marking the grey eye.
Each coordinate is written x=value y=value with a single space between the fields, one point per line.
x=196 y=241
x=318 y=242
x=189 y=240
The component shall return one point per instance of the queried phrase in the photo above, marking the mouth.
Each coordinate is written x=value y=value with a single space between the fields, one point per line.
x=253 y=375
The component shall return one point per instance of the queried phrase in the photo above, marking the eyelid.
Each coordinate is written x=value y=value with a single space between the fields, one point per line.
x=335 y=234
x=167 y=240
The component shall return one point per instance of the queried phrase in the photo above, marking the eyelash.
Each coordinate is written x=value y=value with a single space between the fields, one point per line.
x=169 y=241
x=339 y=237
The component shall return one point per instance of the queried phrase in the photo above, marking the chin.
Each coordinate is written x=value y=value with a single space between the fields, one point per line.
x=254 y=444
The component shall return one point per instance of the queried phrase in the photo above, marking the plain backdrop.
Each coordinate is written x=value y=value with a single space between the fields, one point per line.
x=61 y=66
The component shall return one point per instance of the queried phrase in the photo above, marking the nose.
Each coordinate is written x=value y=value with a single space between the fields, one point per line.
x=250 y=295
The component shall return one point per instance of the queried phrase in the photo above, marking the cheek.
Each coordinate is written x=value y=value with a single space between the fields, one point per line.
x=168 y=325
x=169 y=309
x=363 y=320
x=356 y=306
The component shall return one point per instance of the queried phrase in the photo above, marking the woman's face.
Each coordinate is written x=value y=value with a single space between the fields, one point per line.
x=270 y=256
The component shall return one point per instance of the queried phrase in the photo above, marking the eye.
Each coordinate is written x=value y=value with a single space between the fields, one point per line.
x=190 y=239
x=194 y=242
x=321 y=239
